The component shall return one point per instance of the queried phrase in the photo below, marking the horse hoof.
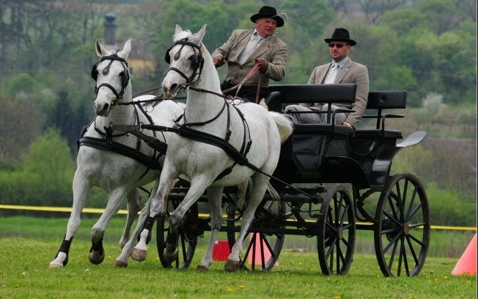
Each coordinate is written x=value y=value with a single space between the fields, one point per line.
x=120 y=264
x=60 y=261
x=232 y=266
x=202 y=268
x=170 y=256
x=139 y=255
x=96 y=258
x=55 y=265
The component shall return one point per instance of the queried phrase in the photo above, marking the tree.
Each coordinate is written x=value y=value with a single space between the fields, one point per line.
x=20 y=117
x=20 y=123
x=63 y=118
x=402 y=21
x=441 y=15
x=48 y=171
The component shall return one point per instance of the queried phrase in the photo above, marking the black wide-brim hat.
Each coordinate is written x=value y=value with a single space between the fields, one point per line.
x=270 y=13
x=341 y=35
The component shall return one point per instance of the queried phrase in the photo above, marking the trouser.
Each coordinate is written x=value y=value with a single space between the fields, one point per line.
x=303 y=115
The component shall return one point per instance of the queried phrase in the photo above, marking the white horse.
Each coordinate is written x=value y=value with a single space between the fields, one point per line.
x=100 y=164
x=251 y=142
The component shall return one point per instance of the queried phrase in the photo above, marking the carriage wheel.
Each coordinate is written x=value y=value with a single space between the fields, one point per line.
x=265 y=241
x=402 y=227
x=187 y=241
x=336 y=238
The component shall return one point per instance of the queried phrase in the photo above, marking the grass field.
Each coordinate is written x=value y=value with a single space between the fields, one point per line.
x=29 y=244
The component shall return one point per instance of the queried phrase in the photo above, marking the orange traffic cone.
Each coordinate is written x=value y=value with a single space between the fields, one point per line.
x=260 y=250
x=467 y=263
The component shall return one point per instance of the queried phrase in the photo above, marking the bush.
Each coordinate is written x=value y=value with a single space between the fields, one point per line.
x=449 y=208
x=45 y=176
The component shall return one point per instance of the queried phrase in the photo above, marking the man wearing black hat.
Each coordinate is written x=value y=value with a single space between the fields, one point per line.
x=246 y=48
x=341 y=70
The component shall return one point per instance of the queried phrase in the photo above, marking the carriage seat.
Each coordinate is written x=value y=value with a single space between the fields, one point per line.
x=309 y=93
x=378 y=101
x=304 y=150
x=365 y=141
x=286 y=94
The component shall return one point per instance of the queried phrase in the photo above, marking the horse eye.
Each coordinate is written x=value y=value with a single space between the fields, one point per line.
x=194 y=60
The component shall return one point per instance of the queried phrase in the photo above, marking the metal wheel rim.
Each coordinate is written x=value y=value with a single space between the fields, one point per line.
x=186 y=248
x=259 y=245
x=402 y=227
x=336 y=238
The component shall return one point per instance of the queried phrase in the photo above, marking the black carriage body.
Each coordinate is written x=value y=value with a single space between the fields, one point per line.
x=314 y=152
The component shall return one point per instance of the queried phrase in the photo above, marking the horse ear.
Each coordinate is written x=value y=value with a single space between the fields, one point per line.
x=100 y=50
x=178 y=29
x=126 y=49
x=202 y=32
x=198 y=36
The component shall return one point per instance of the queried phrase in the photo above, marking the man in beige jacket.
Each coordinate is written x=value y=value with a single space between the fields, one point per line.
x=246 y=48
x=341 y=70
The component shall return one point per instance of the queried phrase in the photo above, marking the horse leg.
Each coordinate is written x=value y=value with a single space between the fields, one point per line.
x=196 y=189
x=259 y=187
x=214 y=196
x=156 y=200
x=97 y=252
x=81 y=187
x=122 y=260
x=133 y=205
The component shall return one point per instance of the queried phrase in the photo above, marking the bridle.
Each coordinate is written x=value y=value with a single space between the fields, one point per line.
x=124 y=76
x=197 y=61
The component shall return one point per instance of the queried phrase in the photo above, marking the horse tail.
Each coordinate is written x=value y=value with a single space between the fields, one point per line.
x=244 y=189
x=284 y=124
x=243 y=192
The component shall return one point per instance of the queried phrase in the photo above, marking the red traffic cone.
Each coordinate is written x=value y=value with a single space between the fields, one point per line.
x=467 y=263
x=221 y=251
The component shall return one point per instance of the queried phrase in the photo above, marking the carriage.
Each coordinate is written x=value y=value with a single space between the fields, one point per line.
x=327 y=181
x=330 y=182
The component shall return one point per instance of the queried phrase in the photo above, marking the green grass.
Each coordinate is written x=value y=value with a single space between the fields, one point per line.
x=29 y=244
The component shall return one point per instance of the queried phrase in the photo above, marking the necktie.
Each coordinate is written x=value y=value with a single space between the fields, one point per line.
x=249 y=49
x=332 y=74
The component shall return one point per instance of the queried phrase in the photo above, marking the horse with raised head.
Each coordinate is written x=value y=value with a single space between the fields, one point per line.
x=113 y=160
x=219 y=144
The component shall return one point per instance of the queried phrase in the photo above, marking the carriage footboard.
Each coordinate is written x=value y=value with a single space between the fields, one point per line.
x=382 y=164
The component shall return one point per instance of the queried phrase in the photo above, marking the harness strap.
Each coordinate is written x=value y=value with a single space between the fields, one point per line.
x=246 y=145
x=119 y=95
x=207 y=121
x=219 y=142
x=154 y=143
x=181 y=73
x=119 y=148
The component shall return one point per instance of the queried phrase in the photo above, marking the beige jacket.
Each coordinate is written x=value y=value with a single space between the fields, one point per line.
x=273 y=49
x=352 y=72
